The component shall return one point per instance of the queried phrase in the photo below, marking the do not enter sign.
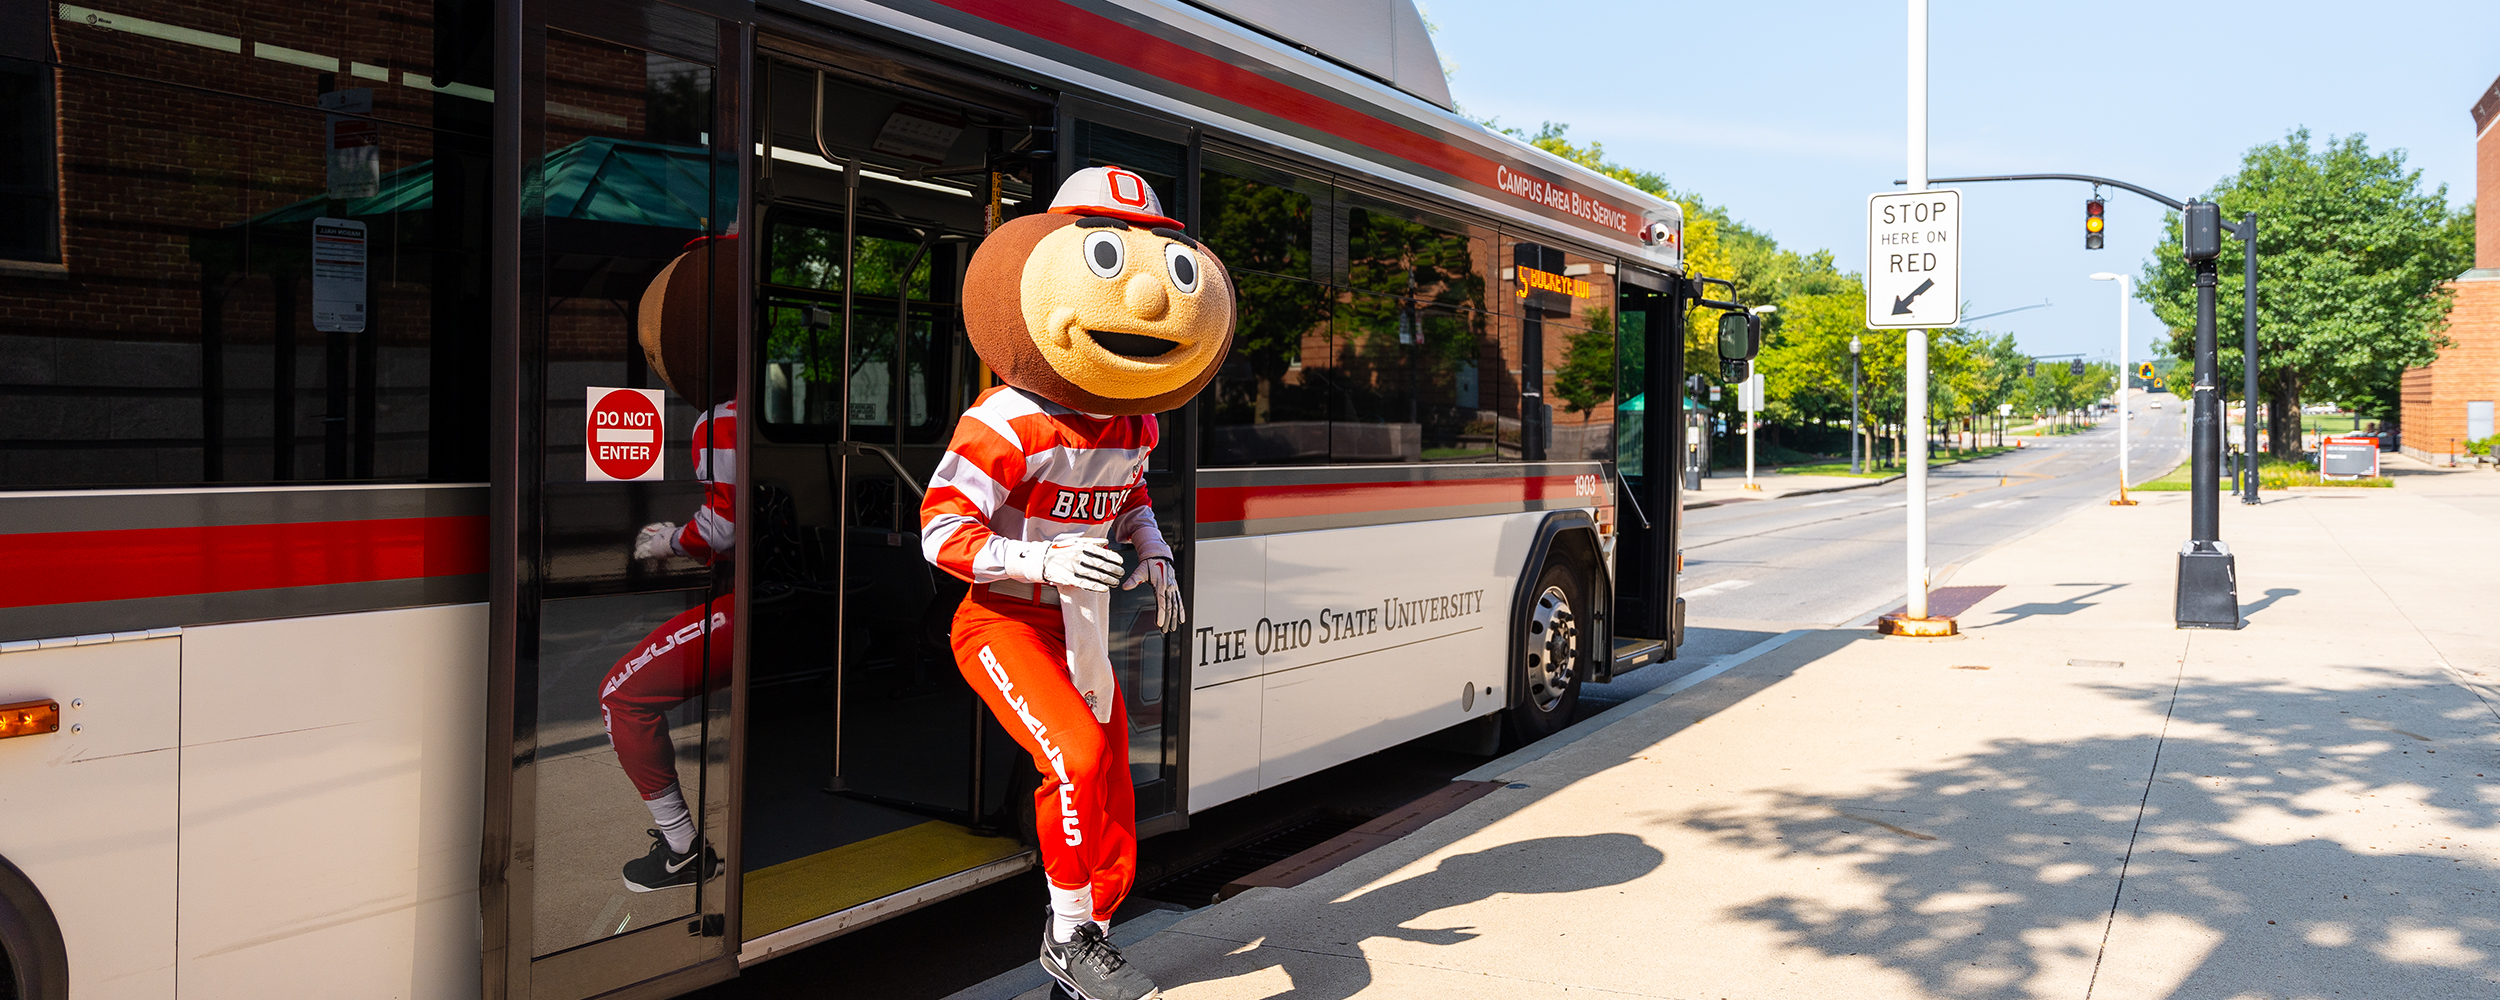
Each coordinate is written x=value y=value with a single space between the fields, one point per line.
x=622 y=438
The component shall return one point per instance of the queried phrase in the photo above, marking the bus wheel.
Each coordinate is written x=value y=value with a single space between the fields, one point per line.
x=1550 y=655
x=34 y=965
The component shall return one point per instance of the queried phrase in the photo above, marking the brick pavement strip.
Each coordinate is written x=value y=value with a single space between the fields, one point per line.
x=2075 y=800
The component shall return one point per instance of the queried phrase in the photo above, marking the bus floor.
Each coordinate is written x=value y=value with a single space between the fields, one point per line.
x=812 y=849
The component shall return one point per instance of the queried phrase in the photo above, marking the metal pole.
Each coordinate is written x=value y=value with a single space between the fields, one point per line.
x=2248 y=345
x=1914 y=431
x=2122 y=387
x=1857 y=430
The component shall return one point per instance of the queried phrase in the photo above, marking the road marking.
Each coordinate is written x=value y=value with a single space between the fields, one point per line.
x=2011 y=504
x=1898 y=503
x=1825 y=503
x=1720 y=587
x=1990 y=503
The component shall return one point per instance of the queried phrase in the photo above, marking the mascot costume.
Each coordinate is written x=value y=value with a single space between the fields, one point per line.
x=685 y=338
x=1096 y=316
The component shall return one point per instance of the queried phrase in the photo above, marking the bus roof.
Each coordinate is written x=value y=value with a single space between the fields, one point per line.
x=1357 y=100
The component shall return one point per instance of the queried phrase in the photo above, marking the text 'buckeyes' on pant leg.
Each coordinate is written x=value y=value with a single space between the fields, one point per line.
x=1085 y=813
x=676 y=662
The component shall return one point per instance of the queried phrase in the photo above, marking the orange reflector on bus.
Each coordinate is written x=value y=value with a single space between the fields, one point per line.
x=30 y=718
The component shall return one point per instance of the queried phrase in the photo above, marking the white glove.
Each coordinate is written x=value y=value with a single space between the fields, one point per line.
x=1083 y=563
x=657 y=541
x=1169 y=612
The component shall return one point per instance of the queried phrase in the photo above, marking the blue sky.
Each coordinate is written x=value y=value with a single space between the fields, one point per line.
x=1790 y=114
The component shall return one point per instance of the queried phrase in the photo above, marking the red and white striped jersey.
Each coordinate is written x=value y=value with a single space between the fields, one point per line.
x=713 y=529
x=1024 y=469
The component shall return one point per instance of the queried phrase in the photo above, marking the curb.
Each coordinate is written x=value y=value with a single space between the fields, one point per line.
x=1590 y=726
x=1029 y=977
x=1839 y=489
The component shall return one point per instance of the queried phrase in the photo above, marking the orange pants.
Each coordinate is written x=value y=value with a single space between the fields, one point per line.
x=1014 y=653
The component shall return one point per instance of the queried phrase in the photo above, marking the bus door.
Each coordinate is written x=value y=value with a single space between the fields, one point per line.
x=615 y=582
x=1649 y=454
x=873 y=778
x=1152 y=666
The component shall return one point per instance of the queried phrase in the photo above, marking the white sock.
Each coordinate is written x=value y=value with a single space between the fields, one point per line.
x=1068 y=908
x=676 y=824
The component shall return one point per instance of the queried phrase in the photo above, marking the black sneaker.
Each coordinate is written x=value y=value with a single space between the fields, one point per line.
x=1090 y=967
x=667 y=869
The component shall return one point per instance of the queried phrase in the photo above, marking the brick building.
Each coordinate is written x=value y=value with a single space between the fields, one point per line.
x=2451 y=400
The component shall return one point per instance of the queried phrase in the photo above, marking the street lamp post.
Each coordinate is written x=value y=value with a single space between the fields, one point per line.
x=2208 y=591
x=2121 y=394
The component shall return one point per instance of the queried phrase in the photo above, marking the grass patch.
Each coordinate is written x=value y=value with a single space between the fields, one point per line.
x=2272 y=475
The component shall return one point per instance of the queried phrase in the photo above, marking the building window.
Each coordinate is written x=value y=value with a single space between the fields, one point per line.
x=29 y=178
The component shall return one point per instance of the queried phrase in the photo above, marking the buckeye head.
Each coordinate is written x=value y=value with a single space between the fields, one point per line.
x=684 y=321
x=1101 y=305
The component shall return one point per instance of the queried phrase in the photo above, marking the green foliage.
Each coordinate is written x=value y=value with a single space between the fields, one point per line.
x=2482 y=446
x=2351 y=256
x=1586 y=378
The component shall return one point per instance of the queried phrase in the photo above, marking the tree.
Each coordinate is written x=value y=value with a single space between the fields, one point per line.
x=2351 y=257
x=1586 y=378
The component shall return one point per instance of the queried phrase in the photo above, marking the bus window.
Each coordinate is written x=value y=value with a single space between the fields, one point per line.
x=1270 y=401
x=1565 y=324
x=249 y=269
x=1408 y=338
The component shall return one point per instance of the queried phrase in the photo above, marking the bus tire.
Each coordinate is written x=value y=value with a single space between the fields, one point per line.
x=32 y=955
x=1553 y=653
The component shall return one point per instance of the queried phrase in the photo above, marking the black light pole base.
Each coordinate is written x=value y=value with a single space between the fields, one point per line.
x=2209 y=589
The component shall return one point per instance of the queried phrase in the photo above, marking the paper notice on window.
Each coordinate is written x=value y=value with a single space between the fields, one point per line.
x=355 y=144
x=338 y=276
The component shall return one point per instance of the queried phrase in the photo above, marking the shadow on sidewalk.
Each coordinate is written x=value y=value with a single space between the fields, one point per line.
x=1541 y=865
x=2296 y=841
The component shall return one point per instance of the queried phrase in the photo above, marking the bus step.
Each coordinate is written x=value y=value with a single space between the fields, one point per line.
x=1634 y=653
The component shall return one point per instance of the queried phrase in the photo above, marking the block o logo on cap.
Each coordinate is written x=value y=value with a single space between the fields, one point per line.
x=1116 y=192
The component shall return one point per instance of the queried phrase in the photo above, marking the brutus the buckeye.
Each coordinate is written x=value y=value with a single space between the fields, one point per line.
x=1096 y=315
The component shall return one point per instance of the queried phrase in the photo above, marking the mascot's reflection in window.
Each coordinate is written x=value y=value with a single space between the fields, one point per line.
x=690 y=652
x=1097 y=315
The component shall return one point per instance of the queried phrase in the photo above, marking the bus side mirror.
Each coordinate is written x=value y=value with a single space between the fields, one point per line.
x=1740 y=334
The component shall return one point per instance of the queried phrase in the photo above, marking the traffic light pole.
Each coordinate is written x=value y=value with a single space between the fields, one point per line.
x=2208 y=588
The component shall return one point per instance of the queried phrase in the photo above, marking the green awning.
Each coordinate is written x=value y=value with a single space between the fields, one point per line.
x=596 y=179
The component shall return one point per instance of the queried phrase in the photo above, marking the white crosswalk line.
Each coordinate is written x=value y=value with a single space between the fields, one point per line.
x=1720 y=587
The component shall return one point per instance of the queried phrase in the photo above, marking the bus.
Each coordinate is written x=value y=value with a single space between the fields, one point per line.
x=326 y=442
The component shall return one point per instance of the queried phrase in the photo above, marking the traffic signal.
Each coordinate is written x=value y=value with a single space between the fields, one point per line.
x=2075 y=368
x=2031 y=369
x=2144 y=371
x=2092 y=224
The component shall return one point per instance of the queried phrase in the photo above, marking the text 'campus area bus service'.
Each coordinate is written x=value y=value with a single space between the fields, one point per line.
x=342 y=503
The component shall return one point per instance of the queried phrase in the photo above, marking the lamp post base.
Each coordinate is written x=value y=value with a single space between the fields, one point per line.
x=1917 y=628
x=2208 y=595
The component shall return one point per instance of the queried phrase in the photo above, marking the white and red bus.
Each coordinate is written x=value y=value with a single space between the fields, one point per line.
x=320 y=397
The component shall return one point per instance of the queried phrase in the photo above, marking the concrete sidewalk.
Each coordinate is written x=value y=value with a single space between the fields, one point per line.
x=2074 y=800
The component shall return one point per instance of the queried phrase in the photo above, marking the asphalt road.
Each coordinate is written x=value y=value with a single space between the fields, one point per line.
x=1753 y=569
x=1756 y=568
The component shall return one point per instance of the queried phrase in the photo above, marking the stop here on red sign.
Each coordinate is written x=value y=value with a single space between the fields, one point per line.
x=622 y=438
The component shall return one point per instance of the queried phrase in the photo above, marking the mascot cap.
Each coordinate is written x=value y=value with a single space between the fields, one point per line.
x=1117 y=192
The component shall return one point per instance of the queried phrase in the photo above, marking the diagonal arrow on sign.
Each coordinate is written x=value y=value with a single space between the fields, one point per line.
x=1901 y=305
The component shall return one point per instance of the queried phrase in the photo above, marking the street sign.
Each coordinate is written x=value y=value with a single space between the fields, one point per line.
x=2348 y=457
x=622 y=436
x=1913 y=259
x=1749 y=394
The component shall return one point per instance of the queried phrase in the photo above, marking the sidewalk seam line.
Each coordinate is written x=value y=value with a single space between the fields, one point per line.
x=2446 y=665
x=2118 y=896
x=1590 y=726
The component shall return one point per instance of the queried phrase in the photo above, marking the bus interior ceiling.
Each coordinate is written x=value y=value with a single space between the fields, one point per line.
x=871 y=767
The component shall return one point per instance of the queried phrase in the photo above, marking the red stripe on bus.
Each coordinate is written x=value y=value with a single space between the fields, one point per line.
x=1251 y=503
x=72 y=567
x=1093 y=33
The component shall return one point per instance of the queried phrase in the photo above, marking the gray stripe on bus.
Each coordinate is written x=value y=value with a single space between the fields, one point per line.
x=1362 y=519
x=1342 y=474
x=44 y=513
